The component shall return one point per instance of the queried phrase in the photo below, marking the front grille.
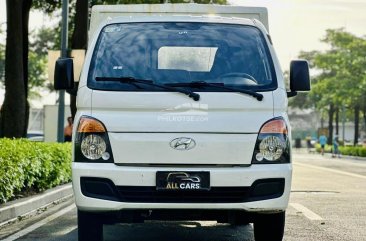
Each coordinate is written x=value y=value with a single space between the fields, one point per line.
x=214 y=195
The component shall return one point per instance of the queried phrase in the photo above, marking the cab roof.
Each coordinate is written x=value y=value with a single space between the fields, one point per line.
x=209 y=13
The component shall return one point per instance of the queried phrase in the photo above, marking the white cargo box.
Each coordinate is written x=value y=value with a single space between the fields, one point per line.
x=102 y=12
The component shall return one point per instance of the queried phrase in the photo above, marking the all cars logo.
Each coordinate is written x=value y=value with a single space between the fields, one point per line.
x=182 y=181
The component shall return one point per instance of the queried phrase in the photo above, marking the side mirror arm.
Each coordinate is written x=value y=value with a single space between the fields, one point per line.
x=291 y=93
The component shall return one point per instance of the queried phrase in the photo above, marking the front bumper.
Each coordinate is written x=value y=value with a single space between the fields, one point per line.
x=146 y=177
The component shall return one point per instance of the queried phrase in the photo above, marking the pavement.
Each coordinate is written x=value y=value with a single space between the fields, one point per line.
x=327 y=203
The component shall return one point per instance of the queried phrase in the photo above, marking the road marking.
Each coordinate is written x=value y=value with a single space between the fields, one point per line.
x=65 y=231
x=307 y=212
x=33 y=227
x=331 y=170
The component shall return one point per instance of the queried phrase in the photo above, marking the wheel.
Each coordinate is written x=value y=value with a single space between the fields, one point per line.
x=90 y=227
x=239 y=223
x=269 y=227
x=238 y=219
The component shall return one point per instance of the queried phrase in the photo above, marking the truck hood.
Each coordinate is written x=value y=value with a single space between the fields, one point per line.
x=169 y=112
x=142 y=127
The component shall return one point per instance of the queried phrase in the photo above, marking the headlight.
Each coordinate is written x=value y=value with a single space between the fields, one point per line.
x=93 y=146
x=271 y=148
x=272 y=144
x=92 y=142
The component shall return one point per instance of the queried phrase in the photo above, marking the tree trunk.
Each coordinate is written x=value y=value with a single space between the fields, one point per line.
x=79 y=40
x=357 y=120
x=337 y=121
x=26 y=9
x=14 y=114
x=330 y=123
x=321 y=122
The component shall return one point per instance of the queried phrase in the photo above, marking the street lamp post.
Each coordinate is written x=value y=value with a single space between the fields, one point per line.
x=61 y=99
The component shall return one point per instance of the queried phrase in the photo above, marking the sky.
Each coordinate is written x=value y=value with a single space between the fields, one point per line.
x=294 y=25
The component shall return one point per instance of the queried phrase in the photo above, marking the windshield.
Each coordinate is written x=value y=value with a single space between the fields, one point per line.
x=171 y=53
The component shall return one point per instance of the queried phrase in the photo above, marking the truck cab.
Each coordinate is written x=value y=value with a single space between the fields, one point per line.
x=182 y=117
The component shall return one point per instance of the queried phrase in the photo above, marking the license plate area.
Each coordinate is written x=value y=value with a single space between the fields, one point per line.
x=182 y=181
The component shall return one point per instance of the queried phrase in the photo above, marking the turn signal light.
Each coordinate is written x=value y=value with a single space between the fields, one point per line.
x=275 y=126
x=89 y=125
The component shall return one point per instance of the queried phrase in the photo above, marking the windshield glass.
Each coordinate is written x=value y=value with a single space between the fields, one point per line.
x=170 y=53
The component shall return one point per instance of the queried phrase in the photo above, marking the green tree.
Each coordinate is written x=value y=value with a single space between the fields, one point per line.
x=341 y=77
x=37 y=74
x=42 y=40
x=346 y=59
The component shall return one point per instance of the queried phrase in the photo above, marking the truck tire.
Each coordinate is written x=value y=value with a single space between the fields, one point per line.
x=269 y=227
x=239 y=223
x=238 y=220
x=90 y=227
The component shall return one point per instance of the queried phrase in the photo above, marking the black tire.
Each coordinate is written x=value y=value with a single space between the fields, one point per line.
x=269 y=227
x=90 y=227
x=238 y=220
x=239 y=223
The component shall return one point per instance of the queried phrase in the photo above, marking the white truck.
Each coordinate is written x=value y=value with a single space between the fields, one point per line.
x=181 y=116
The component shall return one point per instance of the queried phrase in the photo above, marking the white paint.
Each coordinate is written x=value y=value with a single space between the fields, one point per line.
x=307 y=212
x=33 y=227
x=350 y=174
x=65 y=231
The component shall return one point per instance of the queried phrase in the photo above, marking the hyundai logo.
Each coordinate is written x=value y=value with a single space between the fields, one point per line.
x=183 y=143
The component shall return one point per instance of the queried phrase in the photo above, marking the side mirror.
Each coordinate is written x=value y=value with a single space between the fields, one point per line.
x=299 y=77
x=64 y=74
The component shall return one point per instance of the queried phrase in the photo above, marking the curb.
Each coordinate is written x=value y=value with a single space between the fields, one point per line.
x=344 y=157
x=23 y=206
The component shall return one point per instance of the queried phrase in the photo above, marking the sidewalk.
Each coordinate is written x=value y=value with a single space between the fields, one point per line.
x=327 y=155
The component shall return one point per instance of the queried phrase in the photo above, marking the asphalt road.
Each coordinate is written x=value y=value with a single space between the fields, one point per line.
x=328 y=202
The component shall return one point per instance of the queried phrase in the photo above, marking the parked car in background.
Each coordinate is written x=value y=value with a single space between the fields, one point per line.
x=35 y=136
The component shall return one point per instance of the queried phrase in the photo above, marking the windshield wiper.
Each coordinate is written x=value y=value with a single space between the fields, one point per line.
x=132 y=80
x=198 y=84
